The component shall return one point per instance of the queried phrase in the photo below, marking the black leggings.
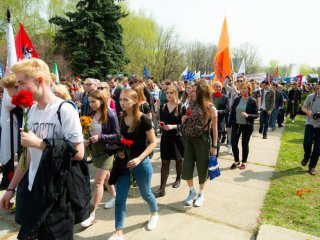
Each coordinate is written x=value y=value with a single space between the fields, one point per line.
x=246 y=131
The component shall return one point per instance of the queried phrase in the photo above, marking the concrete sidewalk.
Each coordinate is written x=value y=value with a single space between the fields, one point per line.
x=230 y=211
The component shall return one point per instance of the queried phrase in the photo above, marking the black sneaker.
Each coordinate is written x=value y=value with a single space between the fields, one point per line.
x=264 y=137
x=260 y=131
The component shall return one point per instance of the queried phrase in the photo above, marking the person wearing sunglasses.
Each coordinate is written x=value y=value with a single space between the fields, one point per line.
x=89 y=85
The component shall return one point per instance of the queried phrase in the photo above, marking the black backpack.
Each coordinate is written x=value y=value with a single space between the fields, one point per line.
x=78 y=185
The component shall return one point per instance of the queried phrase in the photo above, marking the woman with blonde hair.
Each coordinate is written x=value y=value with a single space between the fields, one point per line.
x=137 y=127
x=172 y=142
x=62 y=92
x=142 y=101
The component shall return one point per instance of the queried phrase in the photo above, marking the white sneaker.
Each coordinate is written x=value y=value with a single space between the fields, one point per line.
x=229 y=149
x=189 y=200
x=110 y=204
x=292 y=120
x=115 y=237
x=199 y=200
x=89 y=221
x=153 y=222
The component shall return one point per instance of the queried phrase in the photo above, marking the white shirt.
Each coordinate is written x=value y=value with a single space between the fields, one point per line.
x=112 y=90
x=45 y=124
x=95 y=128
x=263 y=104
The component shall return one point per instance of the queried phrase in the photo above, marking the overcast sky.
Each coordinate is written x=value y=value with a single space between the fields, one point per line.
x=285 y=30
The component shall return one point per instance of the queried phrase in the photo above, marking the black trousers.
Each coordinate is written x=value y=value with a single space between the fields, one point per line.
x=246 y=132
x=280 y=118
x=311 y=137
x=293 y=109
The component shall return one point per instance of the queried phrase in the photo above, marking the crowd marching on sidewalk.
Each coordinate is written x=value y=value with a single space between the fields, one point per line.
x=58 y=128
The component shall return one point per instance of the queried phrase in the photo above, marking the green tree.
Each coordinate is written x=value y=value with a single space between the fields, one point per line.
x=91 y=38
x=140 y=42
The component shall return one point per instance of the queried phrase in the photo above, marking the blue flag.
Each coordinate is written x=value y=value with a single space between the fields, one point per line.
x=190 y=76
x=145 y=71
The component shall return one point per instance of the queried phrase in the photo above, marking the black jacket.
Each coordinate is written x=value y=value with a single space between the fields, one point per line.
x=251 y=110
x=294 y=96
x=60 y=195
x=278 y=100
x=115 y=96
x=222 y=105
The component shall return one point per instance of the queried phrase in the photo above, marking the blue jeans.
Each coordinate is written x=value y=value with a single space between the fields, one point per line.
x=311 y=137
x=273 y=118
x=264 y=122
x=142 y=174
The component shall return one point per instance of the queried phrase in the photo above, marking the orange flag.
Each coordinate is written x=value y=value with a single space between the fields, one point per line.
x=222 y=67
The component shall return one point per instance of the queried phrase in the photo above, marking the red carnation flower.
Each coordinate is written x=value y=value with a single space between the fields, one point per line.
x=189 y=112
x=129 y=143
x=217 y=94
x=126 y=142
x=162 y=124
x=15 y=100
x=123 y=141
x=23 y=99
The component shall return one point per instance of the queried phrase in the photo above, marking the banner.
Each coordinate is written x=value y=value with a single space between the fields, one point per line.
x=55 y=71
x=145 y=71
x=5 y=150
x=222 y=66
x=24 y=47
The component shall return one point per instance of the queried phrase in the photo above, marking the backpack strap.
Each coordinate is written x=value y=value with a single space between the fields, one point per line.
x=59 y=110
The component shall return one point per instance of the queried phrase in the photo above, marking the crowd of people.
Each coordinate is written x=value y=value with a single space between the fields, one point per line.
x=194 y=118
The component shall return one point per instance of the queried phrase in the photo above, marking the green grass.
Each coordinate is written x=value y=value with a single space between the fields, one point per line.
x=282 y=206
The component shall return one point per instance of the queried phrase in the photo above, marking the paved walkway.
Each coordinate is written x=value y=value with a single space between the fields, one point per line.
x=230 y=211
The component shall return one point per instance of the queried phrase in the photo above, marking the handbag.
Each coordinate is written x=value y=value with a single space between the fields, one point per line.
x=213 y=168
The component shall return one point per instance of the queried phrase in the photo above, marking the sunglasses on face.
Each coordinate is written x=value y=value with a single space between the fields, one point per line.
x=168 y=84
x=239 y=81
x=88 y=84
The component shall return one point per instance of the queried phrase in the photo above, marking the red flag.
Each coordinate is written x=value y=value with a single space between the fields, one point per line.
x=299 y=79
x=24 y=47
x=275 y=73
